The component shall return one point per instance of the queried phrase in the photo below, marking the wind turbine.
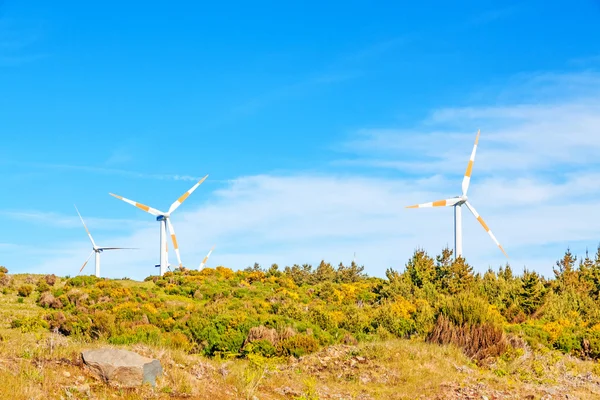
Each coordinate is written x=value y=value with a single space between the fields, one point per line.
x=164 y=219
x=203 y=263
x=457 y=203
x=96 y=249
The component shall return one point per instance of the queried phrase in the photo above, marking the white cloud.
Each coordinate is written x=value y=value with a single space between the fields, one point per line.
x=535 y=183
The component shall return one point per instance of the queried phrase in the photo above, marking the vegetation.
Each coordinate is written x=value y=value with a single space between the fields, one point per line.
x=504 y=323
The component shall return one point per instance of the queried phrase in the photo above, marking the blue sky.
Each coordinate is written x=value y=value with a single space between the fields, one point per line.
x=317 y=123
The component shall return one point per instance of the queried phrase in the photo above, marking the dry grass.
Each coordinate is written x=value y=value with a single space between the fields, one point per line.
x=477 y=341
x=46 y=366
x=43 y=365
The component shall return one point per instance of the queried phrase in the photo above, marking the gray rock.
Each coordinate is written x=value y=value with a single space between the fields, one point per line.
x=122 y=367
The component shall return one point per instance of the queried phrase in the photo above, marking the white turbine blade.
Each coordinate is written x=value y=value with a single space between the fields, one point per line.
x=118 y=248
x=203 y=263
x=184 y=196
x=86 y=229
x=438 y=203
x=86 y=261
x=141 y=206
x=487 y=229
x=467 y=179
x=174 y=238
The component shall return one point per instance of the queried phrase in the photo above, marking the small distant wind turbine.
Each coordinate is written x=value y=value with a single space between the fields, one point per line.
x=457 y=203
x=164 y=219
x=97 y=249
x=203 y=263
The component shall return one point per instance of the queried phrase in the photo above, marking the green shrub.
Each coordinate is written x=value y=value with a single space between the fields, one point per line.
x=568 y=341
x=591 y=344
x=42 y=286
x=25 y=290
x=261 y=347
x=467 y=309
x=81 y=281
x=29 y=324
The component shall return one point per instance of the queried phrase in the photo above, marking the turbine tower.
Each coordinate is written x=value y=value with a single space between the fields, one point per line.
x=203 y=263
x=457 y=203
x=97 y=249
x=165 y=221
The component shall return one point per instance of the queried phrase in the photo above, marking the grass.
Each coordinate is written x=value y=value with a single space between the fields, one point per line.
x=44 y=365
x=41 y=365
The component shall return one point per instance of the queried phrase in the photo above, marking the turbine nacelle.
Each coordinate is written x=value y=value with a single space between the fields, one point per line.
x=463 y=200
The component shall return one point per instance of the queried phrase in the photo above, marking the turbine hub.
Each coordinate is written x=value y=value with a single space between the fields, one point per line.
x=161 y=218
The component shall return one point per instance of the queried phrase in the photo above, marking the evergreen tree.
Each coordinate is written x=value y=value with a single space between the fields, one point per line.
x=421 y=268
x=352 y=273
x=460 y=277
x=586 y=274
x=324 y=272
x=566 y=274
x=442 y=268
x=532 y=292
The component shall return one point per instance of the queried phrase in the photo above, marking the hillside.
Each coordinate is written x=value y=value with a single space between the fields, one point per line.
x=433 y=330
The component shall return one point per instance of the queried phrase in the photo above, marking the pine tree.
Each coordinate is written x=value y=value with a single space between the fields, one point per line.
x=324 y=272
x=442 y=268
x=566 y=275
x=585 y=273
x=421 y=268
x=460 y=276
x=532 y=292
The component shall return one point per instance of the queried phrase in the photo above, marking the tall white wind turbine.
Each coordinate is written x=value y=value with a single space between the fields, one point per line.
x=457 y=203
x=97 y=249
x=164 y=219
x=203 y=263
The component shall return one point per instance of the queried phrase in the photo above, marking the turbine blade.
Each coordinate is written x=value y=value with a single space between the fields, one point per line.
x=184 y=196
x=203 y=263
x=86 y=229
x=174 y=239
x=438 y=203
x=487 y=229
x=467 y=179
x=141 y=206
x=118 y=248
x=86 y=261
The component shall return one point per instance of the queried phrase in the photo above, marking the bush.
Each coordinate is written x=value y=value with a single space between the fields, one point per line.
x=568 y=342
x=29 y=324
x=3 y=270
x=25 y=290
x=467 y=309
x=81 y=281
x=42 y=286
x=591 y=344
x=478 y=341
x=297 y=346
x=261 y=347
x=50 y=279
x=5 y=280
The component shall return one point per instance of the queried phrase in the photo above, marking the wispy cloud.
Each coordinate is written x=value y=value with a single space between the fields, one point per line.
x=59 y=220
x=522 y=138
x=112 y=171
x=535 y=183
